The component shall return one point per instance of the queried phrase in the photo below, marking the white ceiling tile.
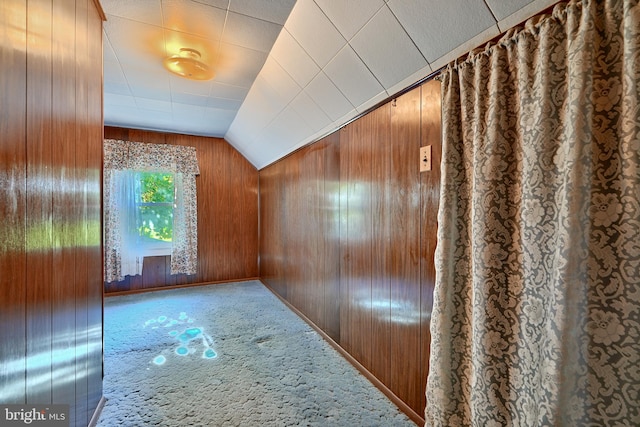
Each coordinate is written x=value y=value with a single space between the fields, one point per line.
x=224 y=103
x=117 y=88
x=251 y=33
x=260 y=106
x=119 y=100
x=372 y=101
x=466 y=47
x=314 y=32
x=189 y=98
x=153 y=105
x=238 y=66
x=221 y=90
x=310 y=112
x=521 y=15
x=108 y=54
x=502 y=8
x=328 y=97
x=219 y=114
x=193 y=18
x=275 y=11
x=148 y=86
x=281 y=82
x=268 y=96
x=187 y=113
x=290 y=128
x=352 y=77
x=259 y=153
x=410 y=80
x=113 y=72
x=135 y=42
x=345 y=118
x=350 y=16
x=208 y=127
x=194 y=87
x=148 y=11
x=137 y=118
x=437 y=26
x=293 y=58
x=222 y=4
x=386 y=49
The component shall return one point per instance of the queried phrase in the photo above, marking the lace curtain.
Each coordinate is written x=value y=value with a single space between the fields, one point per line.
x=536 y=318
x=121 y=159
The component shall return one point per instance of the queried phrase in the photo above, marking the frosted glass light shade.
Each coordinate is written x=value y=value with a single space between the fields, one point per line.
x=187 y=64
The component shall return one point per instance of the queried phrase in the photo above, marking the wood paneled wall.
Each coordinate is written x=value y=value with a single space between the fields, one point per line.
x=348 y=229
x=227 y=190
x=50 y=209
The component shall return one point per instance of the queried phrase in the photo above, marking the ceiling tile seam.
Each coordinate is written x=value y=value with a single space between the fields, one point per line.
x=224 y=27
x=359 y=29
x=301 y=47
x=322 y=69
x=338 y=87
x=122 y=70
x=300 y=113
x=493 y=15
x=302 y=88
x=237 y=13
x=333 y=25
x=164 y=39
x=407 y=33
x=283 y=108
x=365 y=65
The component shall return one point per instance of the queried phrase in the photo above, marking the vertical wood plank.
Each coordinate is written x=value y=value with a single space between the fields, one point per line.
x=405 y=249
x=81 y=276
x=235 y=223
x=39 y=196
x=430 y=192
x=250 y=229
x=63 y=162
x=272 y=220
x=356 y=307
x=381 y=152
x=153 y=272
x=331 y=235
x=13 y=193
x=94 y=209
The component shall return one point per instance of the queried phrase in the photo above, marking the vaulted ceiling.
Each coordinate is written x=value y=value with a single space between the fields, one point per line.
x=287 y=72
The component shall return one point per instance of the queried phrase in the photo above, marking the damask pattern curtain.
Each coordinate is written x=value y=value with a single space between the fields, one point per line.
x=536 y=318
x=121 y=157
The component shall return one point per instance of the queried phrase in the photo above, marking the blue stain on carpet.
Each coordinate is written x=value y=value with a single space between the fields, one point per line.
x=188 y=341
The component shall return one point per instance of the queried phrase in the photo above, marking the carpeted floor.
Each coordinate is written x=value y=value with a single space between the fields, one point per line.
x=228 y=355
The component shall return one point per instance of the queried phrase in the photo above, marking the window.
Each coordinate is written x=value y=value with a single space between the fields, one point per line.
x=154 y=203
x=150 y=207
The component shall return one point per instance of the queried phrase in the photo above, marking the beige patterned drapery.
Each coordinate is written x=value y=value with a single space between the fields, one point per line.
x=536 y=318
x=122 y=156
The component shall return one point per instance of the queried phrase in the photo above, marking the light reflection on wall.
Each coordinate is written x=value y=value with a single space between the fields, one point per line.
x=66 y=370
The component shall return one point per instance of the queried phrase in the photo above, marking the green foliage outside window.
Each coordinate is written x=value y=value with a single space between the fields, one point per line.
x=156 y=205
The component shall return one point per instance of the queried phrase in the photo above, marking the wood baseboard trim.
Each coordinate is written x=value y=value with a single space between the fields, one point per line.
x=413 y=415
x=186 y=285
x=96 y=414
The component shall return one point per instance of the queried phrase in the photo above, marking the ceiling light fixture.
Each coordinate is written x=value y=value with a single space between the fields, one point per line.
x=187 y=64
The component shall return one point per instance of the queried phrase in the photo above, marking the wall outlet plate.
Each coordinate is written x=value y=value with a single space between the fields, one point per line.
x=425 y=158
